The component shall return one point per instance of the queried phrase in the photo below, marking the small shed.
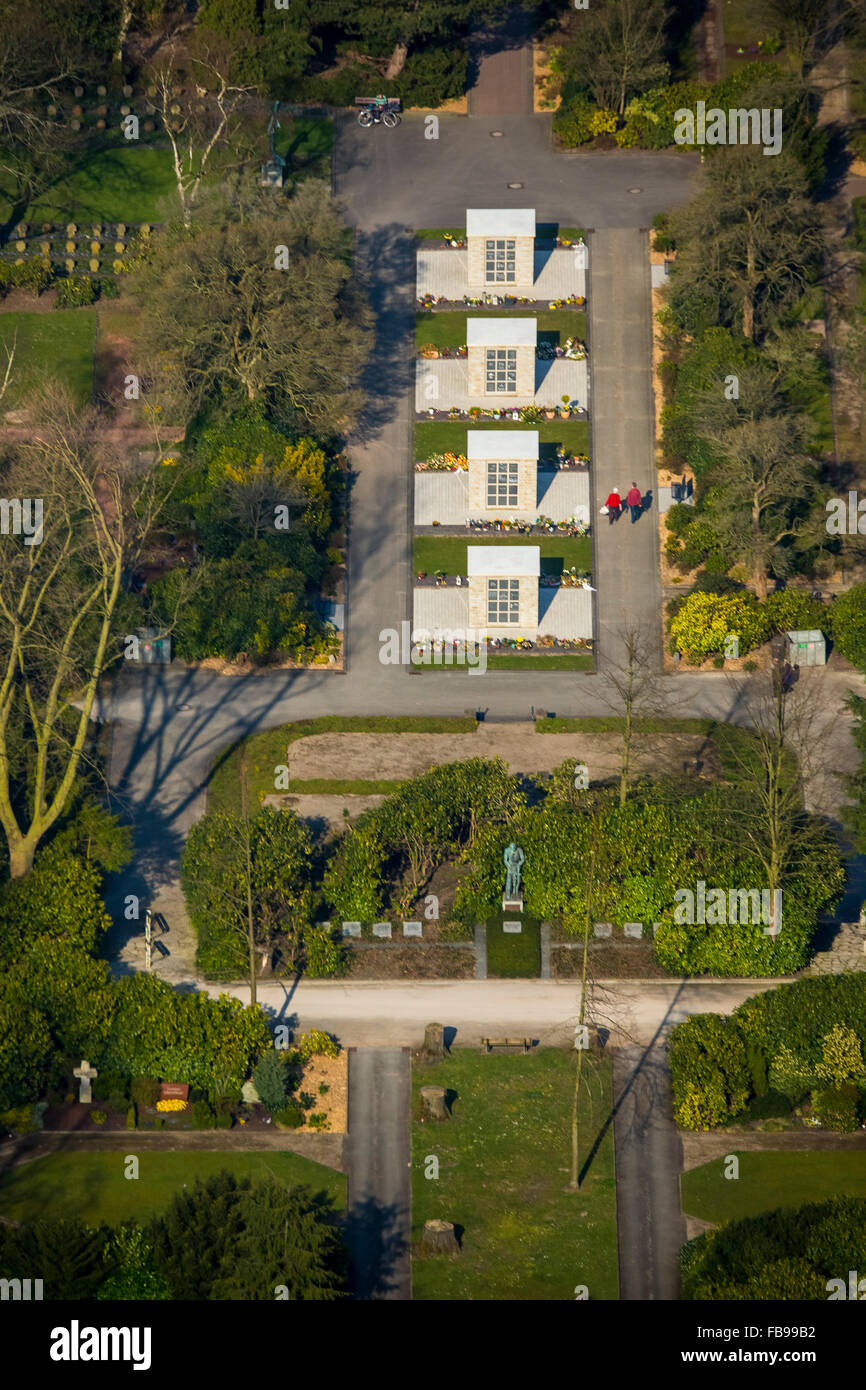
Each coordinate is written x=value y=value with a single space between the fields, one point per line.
x=807 y=647
x=153 y=646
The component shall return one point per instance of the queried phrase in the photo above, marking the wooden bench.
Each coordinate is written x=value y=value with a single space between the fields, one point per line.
x=488 y=1043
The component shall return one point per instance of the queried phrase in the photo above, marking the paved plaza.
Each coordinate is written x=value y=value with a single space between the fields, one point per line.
x=558 y=274
x=442 y=498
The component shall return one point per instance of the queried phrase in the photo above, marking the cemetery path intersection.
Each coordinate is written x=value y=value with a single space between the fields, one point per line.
x=168 y=726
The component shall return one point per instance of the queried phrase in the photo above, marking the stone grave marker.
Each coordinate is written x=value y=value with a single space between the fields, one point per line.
x=513 y=927
x=602 y=929
x=173 y=1090
x=351 y=928
x=382 y=929
x=85 y=1073
x=634 y=929
x=413 y=929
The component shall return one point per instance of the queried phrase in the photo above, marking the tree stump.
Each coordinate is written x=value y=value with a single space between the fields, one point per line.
x=439 y=1238
x=433 y=1098
x=434 y=1042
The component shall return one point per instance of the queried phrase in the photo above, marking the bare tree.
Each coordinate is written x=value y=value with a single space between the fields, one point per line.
x=60 y=590
x=774 y=764
x=631 y=687
x=10 y=360
x=197 y=125
x=616 y=47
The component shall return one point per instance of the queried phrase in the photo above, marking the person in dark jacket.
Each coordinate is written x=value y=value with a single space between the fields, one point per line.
x=634 y=502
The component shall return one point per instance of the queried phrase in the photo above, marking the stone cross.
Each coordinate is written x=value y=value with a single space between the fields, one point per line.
x=85 y=1073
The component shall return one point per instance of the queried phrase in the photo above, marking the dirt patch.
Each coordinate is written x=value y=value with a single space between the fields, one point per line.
x=608 y=960
x=113 y=362
x=25 y=302
x=242 y=666
x=703 y=1148
x=326 y=810
x=397 y=757
x=411 y=963
x=332 y=1072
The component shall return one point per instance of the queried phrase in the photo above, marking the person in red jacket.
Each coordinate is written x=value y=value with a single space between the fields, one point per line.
x=614 y=506
x=634 y=502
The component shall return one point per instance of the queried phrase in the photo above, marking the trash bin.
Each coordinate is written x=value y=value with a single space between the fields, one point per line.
x=808 y=647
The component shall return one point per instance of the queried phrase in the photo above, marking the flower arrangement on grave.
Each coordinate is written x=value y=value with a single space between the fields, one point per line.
x=93 y=263
x=95 y=248
x=443 y=463
x=71 y=229
x=428 y=350
x=575 y=349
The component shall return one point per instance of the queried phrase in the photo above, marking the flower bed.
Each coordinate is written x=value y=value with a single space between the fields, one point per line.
x=443 y=463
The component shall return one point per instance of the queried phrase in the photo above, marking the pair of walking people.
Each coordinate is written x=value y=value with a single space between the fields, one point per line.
x=615 y=505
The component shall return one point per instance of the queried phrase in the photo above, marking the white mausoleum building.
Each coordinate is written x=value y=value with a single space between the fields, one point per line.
x=501 y=257
x=502 y=597
x=506 y=480
x=500 y=371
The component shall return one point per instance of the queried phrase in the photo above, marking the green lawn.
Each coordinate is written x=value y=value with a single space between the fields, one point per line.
x=447 y=329
x=92 y=1186
x=114 y=183
x=513 y=955
x=59 y=344
x=504 y=1159
x=262 y=753
x=449 y=436
x=510 y=661
x=771 y=1179
x=448 y=553
x=306 y=142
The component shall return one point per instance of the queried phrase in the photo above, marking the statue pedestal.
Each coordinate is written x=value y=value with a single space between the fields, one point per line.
x=512 y=904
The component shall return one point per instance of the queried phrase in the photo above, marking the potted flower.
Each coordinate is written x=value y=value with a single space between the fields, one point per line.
x=565 y=408
x=550 y=412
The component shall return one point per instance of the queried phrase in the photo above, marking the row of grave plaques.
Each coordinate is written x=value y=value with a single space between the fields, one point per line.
x=633 y=929
x=381 y=929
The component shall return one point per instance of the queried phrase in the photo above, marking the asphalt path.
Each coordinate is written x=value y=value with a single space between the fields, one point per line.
x=650 y=1223
x=378 y=1160
x=393 y=1013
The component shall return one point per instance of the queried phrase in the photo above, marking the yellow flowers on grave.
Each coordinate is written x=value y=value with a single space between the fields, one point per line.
x=167 y=1106
x=94 y=264
x=70 y=265
x=70 y=247
x=117 y=267
x=95 y=248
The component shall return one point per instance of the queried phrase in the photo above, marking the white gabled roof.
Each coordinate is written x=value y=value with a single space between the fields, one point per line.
x=503 y=561
x=502 y=444
x=500 y=222
x=501 y=332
